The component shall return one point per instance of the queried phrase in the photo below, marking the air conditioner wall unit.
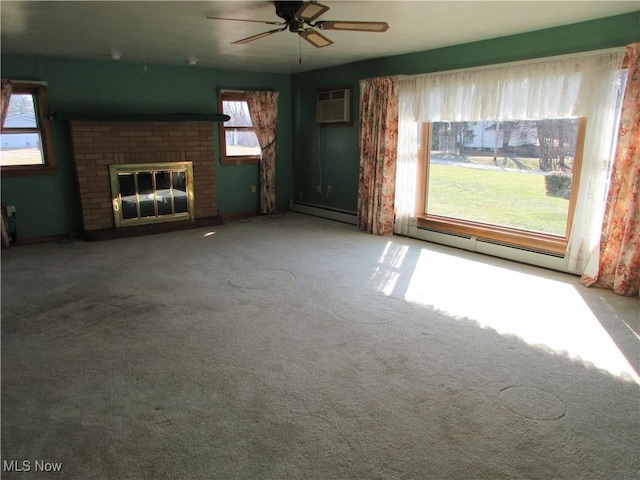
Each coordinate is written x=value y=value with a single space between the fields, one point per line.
x=334 y=106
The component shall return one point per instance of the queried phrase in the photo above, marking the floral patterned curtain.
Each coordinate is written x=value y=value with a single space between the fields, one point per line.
x=6 y=93
x=378 y=152
x=263 y=109
x=4 y=105
x=619 y=264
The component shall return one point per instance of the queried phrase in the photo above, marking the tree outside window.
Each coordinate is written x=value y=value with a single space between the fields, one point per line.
x=238 y=141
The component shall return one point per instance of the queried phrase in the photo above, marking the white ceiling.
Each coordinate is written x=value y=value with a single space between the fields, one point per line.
x=169 y=32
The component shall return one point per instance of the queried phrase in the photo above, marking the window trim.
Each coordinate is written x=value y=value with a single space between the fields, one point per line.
x=233 y=96
x=556 y=244
x=41 y=104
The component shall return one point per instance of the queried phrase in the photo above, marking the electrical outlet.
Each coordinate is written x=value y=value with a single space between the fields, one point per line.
x=253 y=189
x=11 y=211
x=328 y=189
x=319 y=188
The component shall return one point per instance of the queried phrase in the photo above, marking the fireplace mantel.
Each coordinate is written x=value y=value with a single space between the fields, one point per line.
x=139 y=117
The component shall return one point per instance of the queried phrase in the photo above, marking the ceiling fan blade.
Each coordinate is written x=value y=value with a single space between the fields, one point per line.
x=353 y=26
x=245 y=20
x=309 y=11
x=315 y=38
x=257 y=37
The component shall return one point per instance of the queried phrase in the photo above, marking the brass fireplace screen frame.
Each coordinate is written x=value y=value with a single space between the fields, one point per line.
x=146 y=193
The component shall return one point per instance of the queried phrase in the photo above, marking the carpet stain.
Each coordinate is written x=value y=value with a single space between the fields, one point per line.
x=260 y=278
x=77 y=317
x=533 y=403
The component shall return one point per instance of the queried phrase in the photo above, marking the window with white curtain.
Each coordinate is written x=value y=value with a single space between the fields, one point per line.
x=26 y=142
x=478 y=150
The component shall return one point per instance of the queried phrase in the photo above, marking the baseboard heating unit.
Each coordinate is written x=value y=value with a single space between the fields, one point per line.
x=495 y=248
x=324 y=212
x=485 y=246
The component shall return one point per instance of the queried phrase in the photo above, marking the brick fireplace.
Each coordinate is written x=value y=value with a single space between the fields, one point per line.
x=100 y=144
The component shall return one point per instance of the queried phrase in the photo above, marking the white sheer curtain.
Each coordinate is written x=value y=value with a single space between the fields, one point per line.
x=407 y=167
x=599 y=108
x=580 y=85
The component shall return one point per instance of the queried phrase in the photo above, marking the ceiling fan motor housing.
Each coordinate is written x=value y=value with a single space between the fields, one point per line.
x=288 y=11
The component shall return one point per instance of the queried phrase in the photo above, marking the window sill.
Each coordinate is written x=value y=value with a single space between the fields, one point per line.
x=240 y=160
x=26 y=171
x=522 y=238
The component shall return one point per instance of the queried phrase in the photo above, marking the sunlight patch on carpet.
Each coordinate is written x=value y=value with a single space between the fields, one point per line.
x=542 y=312
x=387 y=272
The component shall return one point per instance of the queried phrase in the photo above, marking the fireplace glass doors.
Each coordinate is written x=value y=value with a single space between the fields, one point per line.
x=151 y=192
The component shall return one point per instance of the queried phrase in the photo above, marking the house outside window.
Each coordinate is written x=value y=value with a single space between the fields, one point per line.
x=26 y=146
x=238 y=141
x=468 y=137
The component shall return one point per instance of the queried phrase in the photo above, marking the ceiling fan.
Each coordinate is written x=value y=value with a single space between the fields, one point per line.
x=299 y=17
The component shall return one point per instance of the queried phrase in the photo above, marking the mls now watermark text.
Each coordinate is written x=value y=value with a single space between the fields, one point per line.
x=28 y=466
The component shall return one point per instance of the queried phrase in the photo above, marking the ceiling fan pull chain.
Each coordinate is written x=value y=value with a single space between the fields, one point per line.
x=300 y=47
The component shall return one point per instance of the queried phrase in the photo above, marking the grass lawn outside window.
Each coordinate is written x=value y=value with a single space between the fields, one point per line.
x=496 y=193
x=515 y=199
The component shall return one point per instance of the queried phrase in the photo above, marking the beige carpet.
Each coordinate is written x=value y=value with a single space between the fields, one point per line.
x=298 y=348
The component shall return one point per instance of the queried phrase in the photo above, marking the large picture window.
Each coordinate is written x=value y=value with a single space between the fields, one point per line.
x=25 y=142
x=516 y=154
x=238 y=141
x=511 y=178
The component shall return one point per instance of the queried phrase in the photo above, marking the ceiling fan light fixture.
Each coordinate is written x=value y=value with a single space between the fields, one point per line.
x=315 y=38
x=296 y=27
x=354 y=26
x=309 y=11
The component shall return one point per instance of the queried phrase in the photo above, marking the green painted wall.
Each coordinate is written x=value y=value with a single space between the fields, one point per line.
x=334 y=150
x=49 y=205
x=307 y=155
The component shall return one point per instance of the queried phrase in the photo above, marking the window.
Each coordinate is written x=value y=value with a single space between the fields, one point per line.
x=516 y=186
x=238 y=141
x=26 y=146
x=582 y=90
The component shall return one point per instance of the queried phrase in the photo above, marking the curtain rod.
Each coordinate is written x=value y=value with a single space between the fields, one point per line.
x=519 y=62
x=227 y=90
x=30 y=82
